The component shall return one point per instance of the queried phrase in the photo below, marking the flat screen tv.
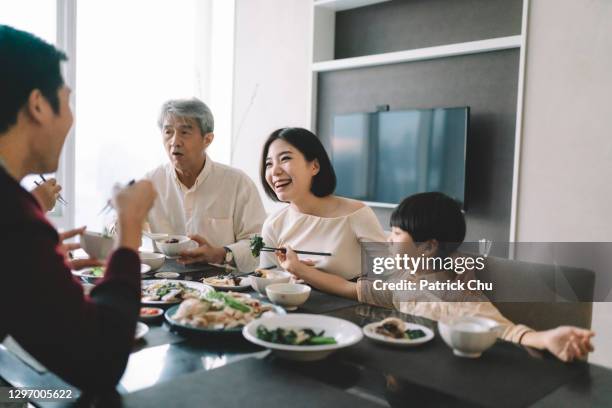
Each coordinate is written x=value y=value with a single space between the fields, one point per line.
x=382 y=157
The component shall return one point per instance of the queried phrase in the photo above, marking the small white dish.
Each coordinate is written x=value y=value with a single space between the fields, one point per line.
x=369 y=331
x=155 y=313
x=167 y=275
x=153 y=259
x=273 y=276
x=173 y=249
x=288 y=295
x=344 y=332
x=141 y=330
x=469 y=336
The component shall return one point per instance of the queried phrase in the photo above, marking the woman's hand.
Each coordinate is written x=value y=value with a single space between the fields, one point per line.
x=65 y=248
x=290 y=262
x=46 y=194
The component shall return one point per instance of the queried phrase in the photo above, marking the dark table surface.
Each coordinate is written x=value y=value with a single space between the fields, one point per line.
x=170 y=369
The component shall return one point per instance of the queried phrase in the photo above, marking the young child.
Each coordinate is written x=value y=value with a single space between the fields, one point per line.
x=432 y=224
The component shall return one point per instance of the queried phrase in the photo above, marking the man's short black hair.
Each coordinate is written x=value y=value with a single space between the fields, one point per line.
x=427 y=216
x=324 y=182
x=26 y=63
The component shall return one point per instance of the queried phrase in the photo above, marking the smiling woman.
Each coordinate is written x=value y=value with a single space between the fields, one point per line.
x=296 y=169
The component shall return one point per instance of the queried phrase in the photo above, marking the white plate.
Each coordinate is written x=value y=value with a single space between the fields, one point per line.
x=245 y=283
x=141 y=330
x=86 y=272
x=345 y=333
x=190 y=284
x=370 y=332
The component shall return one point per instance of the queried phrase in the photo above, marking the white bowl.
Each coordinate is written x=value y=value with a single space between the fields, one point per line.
x=469 y=336
x=172 y=250
x=153 y=259
x=260 y=284
x=345 y=333
x=288 y=295
x=96 y=245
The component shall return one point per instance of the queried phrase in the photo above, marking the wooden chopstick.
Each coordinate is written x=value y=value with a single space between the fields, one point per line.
x=297 y=251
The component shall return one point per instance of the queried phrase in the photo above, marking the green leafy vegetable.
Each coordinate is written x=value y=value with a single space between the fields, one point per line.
x=297 y=337
x=229 y=301
x=97 y=271
x=257 y=243
x=414 y=334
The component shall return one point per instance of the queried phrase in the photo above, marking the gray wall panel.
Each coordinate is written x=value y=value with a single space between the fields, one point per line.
x=407 y=24
x=486 y=82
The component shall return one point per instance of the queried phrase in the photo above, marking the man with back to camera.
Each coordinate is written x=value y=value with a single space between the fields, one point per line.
x=85 y=340
x=216 y=205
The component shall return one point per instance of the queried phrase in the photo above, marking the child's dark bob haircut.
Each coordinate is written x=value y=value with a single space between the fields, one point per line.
x=428 y=216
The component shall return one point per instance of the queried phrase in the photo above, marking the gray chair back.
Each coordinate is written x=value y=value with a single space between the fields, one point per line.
x=538 y=295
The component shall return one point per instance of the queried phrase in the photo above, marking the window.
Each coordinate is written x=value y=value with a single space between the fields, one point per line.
x=125 y=60
x=43 y=23
x=131 y=57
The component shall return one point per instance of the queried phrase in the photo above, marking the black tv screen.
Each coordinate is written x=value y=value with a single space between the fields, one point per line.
x=382 y=157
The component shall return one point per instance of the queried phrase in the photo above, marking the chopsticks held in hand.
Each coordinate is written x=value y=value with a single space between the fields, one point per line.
x=59 y=196
x=297 y=251
x=109 y=205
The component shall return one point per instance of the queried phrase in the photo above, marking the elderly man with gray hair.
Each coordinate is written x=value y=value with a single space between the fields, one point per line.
x=216 y=205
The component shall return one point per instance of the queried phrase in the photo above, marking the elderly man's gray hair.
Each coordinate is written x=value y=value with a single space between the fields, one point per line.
x=188 y=108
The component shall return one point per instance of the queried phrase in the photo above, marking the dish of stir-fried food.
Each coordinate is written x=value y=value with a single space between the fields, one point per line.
x=170 y=291
x=396 y=329
x=225 y=282
x=220 y=311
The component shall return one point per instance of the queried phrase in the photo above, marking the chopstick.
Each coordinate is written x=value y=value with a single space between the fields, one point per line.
x=297 y=251
x=109 y=205
x=59 y=196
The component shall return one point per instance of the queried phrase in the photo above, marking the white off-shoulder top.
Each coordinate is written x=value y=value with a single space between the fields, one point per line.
x=341 y=236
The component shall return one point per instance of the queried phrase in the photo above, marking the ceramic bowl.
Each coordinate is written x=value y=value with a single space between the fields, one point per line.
x=288 y=295
x=260 y=284
x=469 y=336
x=96 y=245
x=173 y=249
x=153 y=259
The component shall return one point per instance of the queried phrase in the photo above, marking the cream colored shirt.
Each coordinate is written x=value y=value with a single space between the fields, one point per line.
x=223 y=206
x=340 y=236
x=430 y=305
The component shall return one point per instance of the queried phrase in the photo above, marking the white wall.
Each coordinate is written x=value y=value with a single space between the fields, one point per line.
x=565 y=188
x=271 y=76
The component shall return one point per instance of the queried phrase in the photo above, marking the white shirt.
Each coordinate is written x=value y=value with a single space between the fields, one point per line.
x=223 y=206
x=341 y=236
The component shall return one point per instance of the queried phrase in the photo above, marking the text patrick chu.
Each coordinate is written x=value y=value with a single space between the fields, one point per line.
x=424 y=266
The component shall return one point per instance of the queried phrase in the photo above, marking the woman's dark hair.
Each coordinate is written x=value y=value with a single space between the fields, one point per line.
x=26 y=63
x=324 y=182
x=427 y=216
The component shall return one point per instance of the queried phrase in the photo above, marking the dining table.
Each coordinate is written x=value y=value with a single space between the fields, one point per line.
x=173 y=368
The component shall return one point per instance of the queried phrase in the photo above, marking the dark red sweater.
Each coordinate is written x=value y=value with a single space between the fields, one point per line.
x=86 y=340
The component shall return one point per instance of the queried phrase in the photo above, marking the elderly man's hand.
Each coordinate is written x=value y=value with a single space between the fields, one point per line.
x=46 y=194
x=203 y=253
